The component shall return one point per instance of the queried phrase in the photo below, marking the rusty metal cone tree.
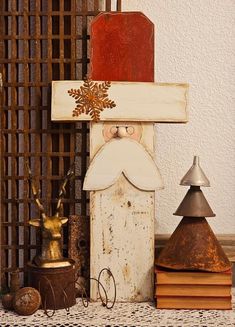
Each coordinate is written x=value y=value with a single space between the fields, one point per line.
x=193 y=245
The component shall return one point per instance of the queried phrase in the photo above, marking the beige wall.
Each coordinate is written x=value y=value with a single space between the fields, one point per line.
x=195 y=43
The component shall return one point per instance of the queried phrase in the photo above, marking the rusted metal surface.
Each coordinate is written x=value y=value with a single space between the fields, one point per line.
x=7 y=301
x=194 y=204
x=227 y=241
x=26 y=301
x=14 y=281
x=193 y=246
x=79 y=244
x=91 y=99
x=56 y=285
x=40 y=41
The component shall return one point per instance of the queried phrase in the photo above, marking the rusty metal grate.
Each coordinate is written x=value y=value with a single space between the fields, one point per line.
x=40 y=41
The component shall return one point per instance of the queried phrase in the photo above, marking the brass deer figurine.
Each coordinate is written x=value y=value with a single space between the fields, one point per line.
x=51 y=226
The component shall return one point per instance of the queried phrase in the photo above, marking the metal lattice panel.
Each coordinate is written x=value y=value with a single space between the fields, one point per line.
x=40 y=41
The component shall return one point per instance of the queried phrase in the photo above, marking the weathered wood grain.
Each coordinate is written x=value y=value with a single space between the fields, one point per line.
x=122 y=229
x=143 y=102
x=122 y=220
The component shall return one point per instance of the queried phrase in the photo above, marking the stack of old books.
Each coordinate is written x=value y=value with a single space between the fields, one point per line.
x=193 y=271
x=193 y=289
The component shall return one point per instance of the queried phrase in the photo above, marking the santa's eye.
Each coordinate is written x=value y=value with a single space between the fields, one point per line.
x=130 y=130
x=113 y=130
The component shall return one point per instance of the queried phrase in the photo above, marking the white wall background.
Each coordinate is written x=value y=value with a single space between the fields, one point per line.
x=195 y=43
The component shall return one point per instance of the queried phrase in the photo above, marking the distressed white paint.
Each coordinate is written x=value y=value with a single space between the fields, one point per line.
x=154 y=102
x=122 y=229
x=123 y=156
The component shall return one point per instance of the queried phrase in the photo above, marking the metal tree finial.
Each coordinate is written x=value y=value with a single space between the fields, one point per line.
x=195 y=175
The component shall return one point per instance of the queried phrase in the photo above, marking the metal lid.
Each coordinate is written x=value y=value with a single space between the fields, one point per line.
x=195 y=176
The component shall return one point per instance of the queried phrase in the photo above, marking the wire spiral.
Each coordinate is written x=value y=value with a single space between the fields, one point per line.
x=85 y=299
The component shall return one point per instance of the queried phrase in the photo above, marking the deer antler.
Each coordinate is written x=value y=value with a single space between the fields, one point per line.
x=35 y=192
x=62 y=190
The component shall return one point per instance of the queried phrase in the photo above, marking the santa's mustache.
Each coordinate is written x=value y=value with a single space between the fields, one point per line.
x=123 y=156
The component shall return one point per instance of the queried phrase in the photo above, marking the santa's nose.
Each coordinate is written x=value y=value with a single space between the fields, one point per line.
x=121 y=131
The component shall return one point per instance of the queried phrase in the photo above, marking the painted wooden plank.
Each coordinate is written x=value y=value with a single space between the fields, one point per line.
x=156 y=102
x=122 y=238
x=122 y=47
x=122 y=229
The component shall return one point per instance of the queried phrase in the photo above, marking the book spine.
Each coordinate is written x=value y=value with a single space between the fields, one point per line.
x=176 y=302
x=194 y=279
x=193 y=290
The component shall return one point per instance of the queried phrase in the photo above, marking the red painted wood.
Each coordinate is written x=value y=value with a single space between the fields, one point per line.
x=122 y=47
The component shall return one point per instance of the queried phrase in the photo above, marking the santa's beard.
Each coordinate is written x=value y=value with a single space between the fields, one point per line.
x=123 y=156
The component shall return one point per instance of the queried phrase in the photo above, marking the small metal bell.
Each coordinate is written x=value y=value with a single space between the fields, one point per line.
x=195 y=176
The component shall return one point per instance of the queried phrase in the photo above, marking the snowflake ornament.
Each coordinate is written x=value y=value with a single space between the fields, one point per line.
x=91 y=99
